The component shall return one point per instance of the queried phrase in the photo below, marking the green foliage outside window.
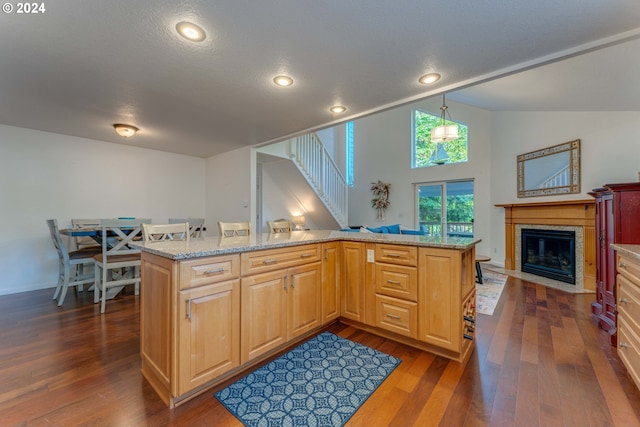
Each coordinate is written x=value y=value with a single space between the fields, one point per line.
x=424 y=148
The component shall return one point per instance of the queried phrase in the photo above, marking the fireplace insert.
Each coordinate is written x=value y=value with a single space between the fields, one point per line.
x=549 y=253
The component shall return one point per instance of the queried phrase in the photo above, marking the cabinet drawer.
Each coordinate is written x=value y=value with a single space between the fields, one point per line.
x=397 y=254
x=629 y=268
x=397 y=281
x=397 y=316
x=275 y=259
x=629 y=349
x=204 y=271
x=628 y=301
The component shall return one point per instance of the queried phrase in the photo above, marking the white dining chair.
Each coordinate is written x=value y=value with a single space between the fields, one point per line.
x=196 y=225
x=163 y=232
x=279 y=226
x=118 y=264
x=85 y=241
x=74 y=266
x=229 y=229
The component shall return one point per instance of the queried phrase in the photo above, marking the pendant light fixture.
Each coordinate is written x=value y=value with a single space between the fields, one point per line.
x=444 y=132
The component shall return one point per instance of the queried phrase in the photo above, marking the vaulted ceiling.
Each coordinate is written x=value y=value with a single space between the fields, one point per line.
x=77 y=67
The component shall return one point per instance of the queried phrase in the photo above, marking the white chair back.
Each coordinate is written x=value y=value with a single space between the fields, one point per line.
x=279 y=226
x=163 y=232
x=84 y=241
x=229 y=229
x=196 y=225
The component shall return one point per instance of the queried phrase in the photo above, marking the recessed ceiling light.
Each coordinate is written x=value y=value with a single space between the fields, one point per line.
x=125 y=131
x=283 y=81
x=429 y=78
x=338 y=109
x=191 y=31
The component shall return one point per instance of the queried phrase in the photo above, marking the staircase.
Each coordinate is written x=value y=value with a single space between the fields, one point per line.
x=312 y=159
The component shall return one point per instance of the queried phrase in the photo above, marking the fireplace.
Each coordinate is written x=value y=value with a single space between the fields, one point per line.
x=549 y=253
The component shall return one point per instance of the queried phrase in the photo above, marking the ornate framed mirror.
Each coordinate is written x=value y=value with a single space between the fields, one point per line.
x=549 y=171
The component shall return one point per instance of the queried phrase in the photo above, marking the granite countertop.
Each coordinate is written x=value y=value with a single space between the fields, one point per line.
x=632 y=251
x=216 y=245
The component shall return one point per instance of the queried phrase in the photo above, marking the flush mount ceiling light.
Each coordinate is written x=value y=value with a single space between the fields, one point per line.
x=125 y=131
x=444 y=132
x=429 y=78
x=283 y=81
x=338 y=109
x=191 y=31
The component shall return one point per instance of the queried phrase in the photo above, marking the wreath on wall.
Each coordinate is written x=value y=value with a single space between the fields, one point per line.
x=380 y=200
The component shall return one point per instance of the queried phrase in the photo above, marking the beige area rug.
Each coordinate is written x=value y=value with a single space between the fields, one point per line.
x=488 y=293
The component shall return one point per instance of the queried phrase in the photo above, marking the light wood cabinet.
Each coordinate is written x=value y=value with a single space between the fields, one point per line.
x=206 y=319
x=330 y=282
x=396 y=289
x=446 y=289
x=628 y=283
x=352 y=280
x=264 y=314
x=209 y=334
x=279 y=305
x=190 y=322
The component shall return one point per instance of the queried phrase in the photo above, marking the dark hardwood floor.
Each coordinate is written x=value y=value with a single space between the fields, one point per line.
x=540 y=360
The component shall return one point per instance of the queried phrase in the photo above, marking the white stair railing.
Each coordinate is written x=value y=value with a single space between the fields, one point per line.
x=314 y=162
x=558 y=179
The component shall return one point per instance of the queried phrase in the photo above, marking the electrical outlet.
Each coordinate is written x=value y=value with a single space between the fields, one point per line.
x=370 y=255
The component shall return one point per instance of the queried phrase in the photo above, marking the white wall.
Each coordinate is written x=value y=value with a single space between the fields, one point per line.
x=383 y=151
x=230 y=195
x=610 y=152
x=46 y=175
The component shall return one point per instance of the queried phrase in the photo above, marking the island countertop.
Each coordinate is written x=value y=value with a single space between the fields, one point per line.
x=217 y=245
x=630 y=250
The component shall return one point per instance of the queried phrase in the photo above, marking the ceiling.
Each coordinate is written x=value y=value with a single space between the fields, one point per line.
x=79 y=67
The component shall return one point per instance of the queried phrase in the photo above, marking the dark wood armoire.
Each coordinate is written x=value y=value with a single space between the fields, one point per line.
x=617 y=221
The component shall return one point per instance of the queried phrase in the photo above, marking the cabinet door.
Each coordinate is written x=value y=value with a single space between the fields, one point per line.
x=439 y=317
x=352 y=281
x=209 y=333
x=264 y=314
x=330 y=282
x=304 y=294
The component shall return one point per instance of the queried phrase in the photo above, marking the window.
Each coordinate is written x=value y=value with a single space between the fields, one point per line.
x=445 y=208
x=349 y=156
x=427 y=153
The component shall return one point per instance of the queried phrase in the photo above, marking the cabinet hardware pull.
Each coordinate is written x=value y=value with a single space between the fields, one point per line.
x=269 y=261
x=623 y=300
x=215 y=270
x=292 y=281
x=624 y=345
x=306 y=255
x=326 y=254
x=286 y=278
x=394 y=255
x=393 y=282
x=189 y=308
x=622 y=265
x=393 y=316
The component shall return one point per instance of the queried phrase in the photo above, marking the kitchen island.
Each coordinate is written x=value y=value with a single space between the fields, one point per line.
x=214 y=307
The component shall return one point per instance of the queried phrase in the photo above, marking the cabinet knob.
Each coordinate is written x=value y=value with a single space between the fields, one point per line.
x=624 y=345
x=622 y=265
x=623 y=301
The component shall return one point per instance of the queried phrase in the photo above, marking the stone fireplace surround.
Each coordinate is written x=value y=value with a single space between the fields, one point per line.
x=572 y=215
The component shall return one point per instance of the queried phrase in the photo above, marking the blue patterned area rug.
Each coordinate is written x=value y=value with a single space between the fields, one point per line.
x=322 y=382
